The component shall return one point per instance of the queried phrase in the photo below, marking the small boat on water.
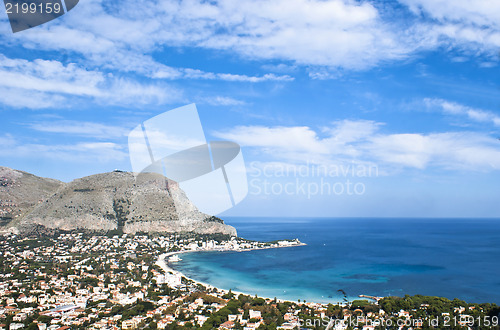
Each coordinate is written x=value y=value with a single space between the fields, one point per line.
x=174 y=258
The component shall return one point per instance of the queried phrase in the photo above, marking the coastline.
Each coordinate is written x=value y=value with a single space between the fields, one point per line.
x=163 y=264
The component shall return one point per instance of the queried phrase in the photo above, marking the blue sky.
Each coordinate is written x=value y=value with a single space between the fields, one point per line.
x=409 y=87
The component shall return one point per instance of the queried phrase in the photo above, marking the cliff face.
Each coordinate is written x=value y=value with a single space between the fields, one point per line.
x=118 y=200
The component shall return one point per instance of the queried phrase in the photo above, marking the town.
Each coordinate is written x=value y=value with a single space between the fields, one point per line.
x=81 y=280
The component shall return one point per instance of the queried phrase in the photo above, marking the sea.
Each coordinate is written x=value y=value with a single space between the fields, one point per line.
x=452 y=258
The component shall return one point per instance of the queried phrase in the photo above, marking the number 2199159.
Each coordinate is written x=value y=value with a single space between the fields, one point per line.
x=32 y=8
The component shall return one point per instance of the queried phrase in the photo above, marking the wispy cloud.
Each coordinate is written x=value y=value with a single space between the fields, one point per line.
x=450 y=151
x=45 y=83
x=80 y=128
x=24 y=98
x=85 y=152
x=456 y=109
x=478 y=12
x=127 y=51
x=171 y=73
x=361 y=141
x=333 y=33
x=473 y=26
x=222 y=100
x=327 y=34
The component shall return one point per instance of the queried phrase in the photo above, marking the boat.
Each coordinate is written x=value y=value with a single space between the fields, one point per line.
x=174 y=258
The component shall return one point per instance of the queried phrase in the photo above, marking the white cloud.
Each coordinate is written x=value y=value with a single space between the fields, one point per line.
x=452 y=108
x=323 y=73
x=462 y=151
x=477 y=12
x=282 y=67
x=361 y=142
x=160 y=71
x=471 y=39
x=333 y=33
x=49 y=76
x=80 y=128
x=347 y=131
x=222 y=100
x=123 y=40
x=42 y=83
x=411 y=150
x=322 y=35
x=473 y=26
x=340 y=142
x=296 y=139
x=7 y=140
x=22 y=98
x=85 y=152
x=488 y=65
x=310 y=32
x=266 y=77
x=122 y=91
x=198 y=74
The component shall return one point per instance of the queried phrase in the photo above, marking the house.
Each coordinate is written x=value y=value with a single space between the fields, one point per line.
x=129 y=324
x=19 y=317
x=227 y=325
x=162 y=324
x=250 y=326
x=403 y=313
x=255 y=314
x=11 y=309
x=200 y=319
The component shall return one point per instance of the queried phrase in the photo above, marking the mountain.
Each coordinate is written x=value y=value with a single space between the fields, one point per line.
x=117 y=200
x=20 y=192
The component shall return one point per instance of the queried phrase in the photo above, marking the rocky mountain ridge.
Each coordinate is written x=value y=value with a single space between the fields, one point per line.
x=147 y=202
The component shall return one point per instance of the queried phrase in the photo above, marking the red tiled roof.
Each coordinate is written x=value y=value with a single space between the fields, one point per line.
x=227 y=325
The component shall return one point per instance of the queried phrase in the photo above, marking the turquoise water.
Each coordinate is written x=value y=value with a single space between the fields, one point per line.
x=440 y=257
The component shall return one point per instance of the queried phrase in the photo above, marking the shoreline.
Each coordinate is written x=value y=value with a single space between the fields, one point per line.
x=163 y=264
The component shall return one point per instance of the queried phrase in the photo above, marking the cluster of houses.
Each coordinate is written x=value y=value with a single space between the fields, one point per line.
x=74 y=280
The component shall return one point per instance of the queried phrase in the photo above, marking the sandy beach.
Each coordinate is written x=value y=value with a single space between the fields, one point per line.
x=163 y=264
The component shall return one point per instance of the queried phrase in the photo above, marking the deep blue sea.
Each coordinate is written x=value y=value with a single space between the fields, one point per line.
x=453 y=258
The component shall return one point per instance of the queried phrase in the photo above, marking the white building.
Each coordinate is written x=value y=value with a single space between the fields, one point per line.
x=255 y=314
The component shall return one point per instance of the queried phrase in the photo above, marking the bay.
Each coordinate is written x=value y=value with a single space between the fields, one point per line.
x=453 y=258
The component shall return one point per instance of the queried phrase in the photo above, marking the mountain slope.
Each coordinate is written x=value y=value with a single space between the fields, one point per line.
x=20 y=192
x=119 y=200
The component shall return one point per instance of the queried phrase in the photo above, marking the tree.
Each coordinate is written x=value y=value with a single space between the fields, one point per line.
x=32 y=326
x=44 y=319
x=228 y=295
x=258 y=301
